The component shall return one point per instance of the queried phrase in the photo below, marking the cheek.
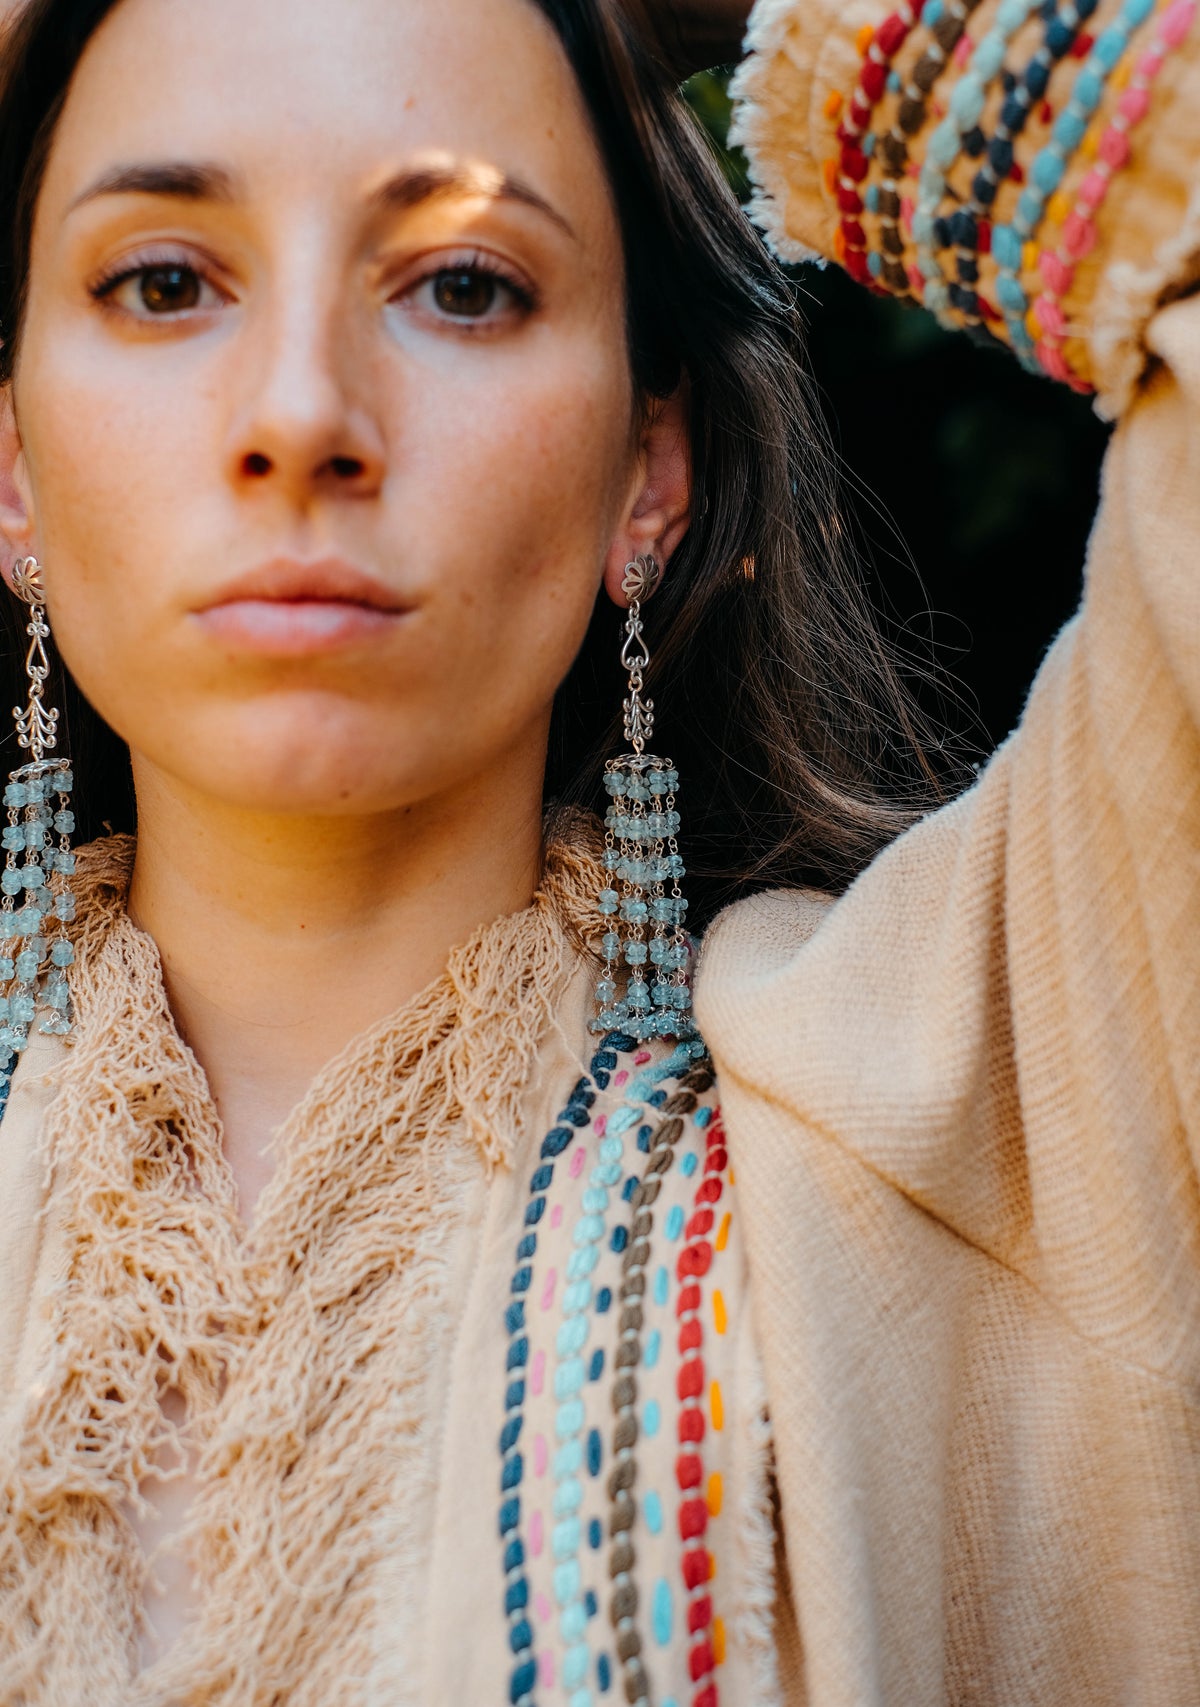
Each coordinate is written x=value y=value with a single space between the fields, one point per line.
x=532 y=472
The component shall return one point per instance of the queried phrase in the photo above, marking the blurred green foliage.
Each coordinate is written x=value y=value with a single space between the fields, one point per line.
x=973 y=484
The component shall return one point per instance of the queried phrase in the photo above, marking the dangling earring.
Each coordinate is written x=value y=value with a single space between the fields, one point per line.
x=643 y=904
x=34 y=950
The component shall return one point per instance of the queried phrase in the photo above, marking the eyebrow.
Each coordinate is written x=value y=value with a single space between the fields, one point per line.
x=183 y=181
x=407 y=189
x=420 y=184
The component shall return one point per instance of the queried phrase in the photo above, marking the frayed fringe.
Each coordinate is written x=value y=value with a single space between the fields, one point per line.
x=303 y=1356
x=1127 y=298
x=771 y=23
x=755 y=1536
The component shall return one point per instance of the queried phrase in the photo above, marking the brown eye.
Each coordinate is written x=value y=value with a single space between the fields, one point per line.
x=467 y=294
x=168 y=290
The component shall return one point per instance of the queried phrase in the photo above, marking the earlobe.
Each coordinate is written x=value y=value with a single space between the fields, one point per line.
x=16 y=522
x=659 y=513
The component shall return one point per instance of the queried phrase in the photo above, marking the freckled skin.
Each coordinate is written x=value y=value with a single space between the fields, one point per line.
x=499 y=461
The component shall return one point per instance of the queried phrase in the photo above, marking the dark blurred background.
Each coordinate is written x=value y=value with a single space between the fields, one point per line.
x=974 y=484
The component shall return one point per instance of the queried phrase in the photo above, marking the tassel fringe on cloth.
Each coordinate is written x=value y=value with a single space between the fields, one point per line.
x=299 y=1356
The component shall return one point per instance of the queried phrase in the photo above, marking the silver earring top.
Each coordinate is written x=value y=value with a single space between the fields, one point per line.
x=641 y=580
x=28 y=581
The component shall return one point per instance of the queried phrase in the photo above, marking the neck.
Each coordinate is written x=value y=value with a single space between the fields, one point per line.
x=282 y=940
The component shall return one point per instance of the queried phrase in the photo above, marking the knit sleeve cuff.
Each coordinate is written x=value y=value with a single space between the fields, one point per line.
x=792 y=93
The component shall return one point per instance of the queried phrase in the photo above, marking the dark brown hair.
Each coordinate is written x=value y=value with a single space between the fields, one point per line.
x=800 y=751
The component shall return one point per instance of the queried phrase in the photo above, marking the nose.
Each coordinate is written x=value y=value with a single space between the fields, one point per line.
x=305 y=426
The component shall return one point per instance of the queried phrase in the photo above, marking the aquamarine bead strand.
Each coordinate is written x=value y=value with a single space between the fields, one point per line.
x=37 y=904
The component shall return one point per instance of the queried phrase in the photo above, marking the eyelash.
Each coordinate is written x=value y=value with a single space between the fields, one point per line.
x=525 y=296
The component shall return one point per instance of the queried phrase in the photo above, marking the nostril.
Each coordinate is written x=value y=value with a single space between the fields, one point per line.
x=256 y=463
x=347 y=467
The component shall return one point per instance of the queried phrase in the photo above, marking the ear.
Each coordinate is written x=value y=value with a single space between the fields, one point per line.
x=16 y=519
x=659 y=512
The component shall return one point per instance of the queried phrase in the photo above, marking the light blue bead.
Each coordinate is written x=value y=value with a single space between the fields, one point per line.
x=568 y=1579
x=581 y=1263
x=1088 y=91
x=966 y=103
x=1069 y=130
x=588 y=1229
x=611 y=1149
x=575 y=1665
x=573 y=1623
x=1010 y=15
x=569 y=1418
x=674 y=1222
x=577 y=1297
x=1029 y=211
x=594 y=1199
x=662 y=1614
x=608 y=901
x=989 y=55
x=944 y=143
x=653 y=1348
x=651 y=1418
x=931 y=186
x=7 y=969
x=1049 y=169
x=607 y=1174
x=1136 y=12
x=27 y=966
x=1010 y=295
x=662 y=1286
x=568 y=1378
x=1006 y=247
x=568 y=1460
x=568 y=1497
x=652 y=1512
x=571 y=1337
x=1110 y=45
x=10 y=880
x=621 y=1121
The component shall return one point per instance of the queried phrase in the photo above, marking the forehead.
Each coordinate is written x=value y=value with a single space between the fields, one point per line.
x=330 y=92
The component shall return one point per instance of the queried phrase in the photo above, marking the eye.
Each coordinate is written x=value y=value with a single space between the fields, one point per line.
x=475 y=292
x=158 y=290
x=465 y=292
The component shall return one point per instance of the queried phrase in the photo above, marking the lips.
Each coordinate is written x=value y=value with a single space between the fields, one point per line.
x=287 y=608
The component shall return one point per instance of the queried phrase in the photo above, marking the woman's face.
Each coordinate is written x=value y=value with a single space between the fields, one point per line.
x=326 y=421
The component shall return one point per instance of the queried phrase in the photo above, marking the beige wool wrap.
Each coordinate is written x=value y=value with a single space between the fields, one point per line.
x=302 y=1352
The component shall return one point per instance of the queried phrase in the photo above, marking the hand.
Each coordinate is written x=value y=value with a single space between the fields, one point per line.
x=690 y=35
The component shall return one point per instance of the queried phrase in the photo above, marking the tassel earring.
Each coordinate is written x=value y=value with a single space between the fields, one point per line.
x=644 y=989
x=37 y=901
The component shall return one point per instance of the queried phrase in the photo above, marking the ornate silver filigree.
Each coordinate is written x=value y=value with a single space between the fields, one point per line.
x=37 y=725
x=640 y=582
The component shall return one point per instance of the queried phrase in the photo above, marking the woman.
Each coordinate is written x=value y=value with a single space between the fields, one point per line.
x=369 y=1333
